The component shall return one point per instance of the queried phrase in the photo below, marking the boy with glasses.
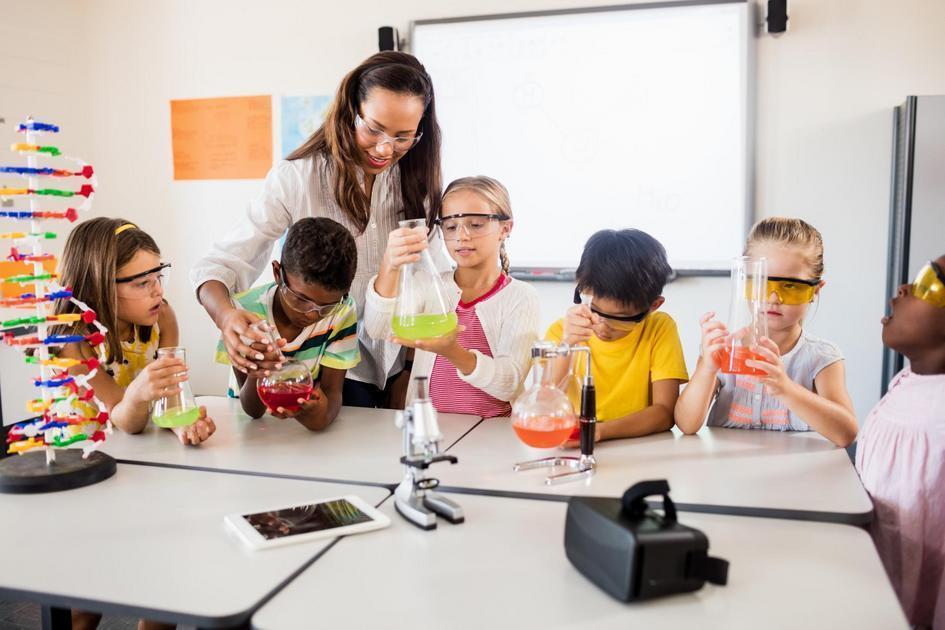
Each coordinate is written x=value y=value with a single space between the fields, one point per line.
x=636 y=356
x=309 y=310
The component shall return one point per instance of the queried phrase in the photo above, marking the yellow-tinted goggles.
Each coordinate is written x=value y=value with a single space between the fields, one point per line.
x=790 y=291
x=929 y=285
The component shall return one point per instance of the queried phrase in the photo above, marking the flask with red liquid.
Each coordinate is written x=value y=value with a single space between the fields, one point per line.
x=543 y=416
x=747 y=316
x=285 y=386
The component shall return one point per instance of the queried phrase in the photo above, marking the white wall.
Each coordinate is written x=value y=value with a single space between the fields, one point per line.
x=825 y=94
x=43 y=74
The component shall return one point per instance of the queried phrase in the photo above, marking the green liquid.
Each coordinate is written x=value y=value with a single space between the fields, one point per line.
x=177 y=417
x=424 y=326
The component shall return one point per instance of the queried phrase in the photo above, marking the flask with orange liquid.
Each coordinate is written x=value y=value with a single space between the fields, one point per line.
x=747 y=317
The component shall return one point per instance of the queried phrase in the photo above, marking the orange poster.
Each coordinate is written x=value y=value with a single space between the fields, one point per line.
x=10 y=268
x=222 y=138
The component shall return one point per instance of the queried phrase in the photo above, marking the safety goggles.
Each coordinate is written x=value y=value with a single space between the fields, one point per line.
x=474 y=224
x=144 y=284
x=617 y=322
x=790 y=291
x=400 y=144
x=929 y=285
x=302 y=304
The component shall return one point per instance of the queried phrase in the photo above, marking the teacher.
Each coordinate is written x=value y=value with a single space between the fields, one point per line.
x=374 y=161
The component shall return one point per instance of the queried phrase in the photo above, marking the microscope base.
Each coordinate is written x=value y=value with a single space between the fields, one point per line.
x=582 y=467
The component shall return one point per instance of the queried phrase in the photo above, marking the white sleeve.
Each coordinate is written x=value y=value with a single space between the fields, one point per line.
x=378 y=312
x=502 y=374
x=239 y=258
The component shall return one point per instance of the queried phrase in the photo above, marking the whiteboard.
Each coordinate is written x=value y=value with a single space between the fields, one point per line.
x=631 y=116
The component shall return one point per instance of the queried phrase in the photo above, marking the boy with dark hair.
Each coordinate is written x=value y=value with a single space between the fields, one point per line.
x=636 y=356
x=316 y=320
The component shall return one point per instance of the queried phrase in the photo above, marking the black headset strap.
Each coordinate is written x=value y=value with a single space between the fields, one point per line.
x=634 y=499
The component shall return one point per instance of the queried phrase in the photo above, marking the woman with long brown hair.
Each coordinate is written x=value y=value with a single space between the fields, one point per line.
x=374 y=161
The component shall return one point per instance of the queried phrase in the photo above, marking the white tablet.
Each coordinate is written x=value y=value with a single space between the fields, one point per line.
x=327 y=518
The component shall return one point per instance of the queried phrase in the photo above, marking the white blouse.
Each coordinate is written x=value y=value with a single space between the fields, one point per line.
x=510 y=321
x=295 y=189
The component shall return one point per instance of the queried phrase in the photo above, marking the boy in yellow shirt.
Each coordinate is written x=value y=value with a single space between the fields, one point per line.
x=636 y=356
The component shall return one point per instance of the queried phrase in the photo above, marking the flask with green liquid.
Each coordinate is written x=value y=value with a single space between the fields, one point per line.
x=422 y=309
x=178 y=409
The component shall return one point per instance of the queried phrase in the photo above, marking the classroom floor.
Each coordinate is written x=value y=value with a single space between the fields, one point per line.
x=27 y=616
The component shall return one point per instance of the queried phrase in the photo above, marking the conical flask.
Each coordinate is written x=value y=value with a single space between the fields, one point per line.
x=178 y=409
x=422 y=309
x=283 y=387
x=747 y=316
x=543 y=416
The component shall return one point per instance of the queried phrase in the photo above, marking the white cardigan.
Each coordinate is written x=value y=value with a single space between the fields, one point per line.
x=509 y=319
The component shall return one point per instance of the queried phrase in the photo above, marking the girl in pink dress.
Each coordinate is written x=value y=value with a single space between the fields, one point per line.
x=901 y=451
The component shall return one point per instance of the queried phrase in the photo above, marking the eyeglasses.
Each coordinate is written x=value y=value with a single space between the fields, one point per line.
x=302 y=304
x=144 y=284
x=929 y=285
x=400 y=144
x=618 y=322
x=473 y=223
x=790 y=291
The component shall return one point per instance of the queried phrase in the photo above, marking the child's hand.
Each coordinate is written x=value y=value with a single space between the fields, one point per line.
x=315 y=401
x=443 y=345
x=578 y=325
x=714 y=336
x=158 y=379
x=777 y=381
x=198 y=432
x=404 y=246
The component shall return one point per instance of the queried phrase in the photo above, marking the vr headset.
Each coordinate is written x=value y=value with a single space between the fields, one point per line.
x=634 y=553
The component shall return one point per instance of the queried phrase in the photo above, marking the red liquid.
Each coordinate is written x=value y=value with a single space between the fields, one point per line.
x=734 y=362
x=544 y=432
x=285 y=395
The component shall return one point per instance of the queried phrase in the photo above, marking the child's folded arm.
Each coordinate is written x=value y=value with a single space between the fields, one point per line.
x=656 y=418
x=696 y=398
x=829 y=410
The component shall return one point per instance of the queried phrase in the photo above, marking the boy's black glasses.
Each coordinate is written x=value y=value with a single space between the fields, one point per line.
x=639 y=317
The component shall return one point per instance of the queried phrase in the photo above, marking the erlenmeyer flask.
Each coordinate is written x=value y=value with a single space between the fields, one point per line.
x=543 y=416
x=285 y=386
x=747 y=316
x=178 y=409
x=422 y=309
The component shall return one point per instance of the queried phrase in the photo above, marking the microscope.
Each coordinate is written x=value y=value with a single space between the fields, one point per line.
x=415 y=498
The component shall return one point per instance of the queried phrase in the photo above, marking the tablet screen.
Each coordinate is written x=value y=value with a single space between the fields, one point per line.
x=303 y=519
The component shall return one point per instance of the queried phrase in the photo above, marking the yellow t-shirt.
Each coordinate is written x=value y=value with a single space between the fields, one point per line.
x=625 y=369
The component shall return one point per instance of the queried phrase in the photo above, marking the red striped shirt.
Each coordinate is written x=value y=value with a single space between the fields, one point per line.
x=450 y=393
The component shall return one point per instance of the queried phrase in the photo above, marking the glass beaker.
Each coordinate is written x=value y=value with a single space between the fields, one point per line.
x=422 y=309
x=747 y=316
x=178 y=409
x=285 y=386
x=543 y=416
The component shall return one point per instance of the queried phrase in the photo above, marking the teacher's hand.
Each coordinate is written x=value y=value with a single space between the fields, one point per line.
x=254 y=359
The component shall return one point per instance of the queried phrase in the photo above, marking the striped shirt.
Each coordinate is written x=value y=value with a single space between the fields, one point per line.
x=450 y=393
x=305 y=188
x=743 y=403
x=331 y=341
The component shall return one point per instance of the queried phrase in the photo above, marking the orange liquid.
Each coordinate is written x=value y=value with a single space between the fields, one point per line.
x=734 y=362
x=544 y=431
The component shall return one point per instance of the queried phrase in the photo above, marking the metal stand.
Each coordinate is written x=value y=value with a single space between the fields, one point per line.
x=415 y=498
x=582 y=467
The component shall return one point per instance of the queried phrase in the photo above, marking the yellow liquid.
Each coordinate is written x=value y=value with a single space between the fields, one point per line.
x=177 y=417
x=424 y=326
